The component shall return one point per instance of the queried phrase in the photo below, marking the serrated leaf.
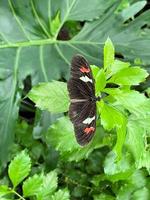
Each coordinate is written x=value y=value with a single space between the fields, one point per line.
x=116 y=67
x=4 y=190
x=19 y=168
x=100 y=81
x=129 y=76
x=32 y=185
x=110 y=116
x=129 y=99
x=109 y=54
x=61 y=136
x=49 y=186
x=136 y=142
x=119 y=170
x=51 y=96
x=62 y=194
x=113 y=118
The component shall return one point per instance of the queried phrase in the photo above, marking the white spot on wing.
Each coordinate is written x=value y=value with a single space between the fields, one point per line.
x=86 y=79
x=88 y=120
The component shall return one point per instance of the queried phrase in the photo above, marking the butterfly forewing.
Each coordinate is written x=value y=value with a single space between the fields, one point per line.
x=82 y=111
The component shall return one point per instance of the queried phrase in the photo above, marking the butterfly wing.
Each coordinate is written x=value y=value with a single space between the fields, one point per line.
x=82 y=111
x=83 y=117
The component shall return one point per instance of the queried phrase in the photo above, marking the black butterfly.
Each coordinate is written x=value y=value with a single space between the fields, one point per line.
x=82 y=111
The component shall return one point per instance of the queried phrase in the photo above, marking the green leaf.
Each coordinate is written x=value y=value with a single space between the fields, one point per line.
x=134 y=183
x=136 y=142
x=109 y=54
x=4 y=190
x=95 y=70
x=120 y=170
x=132 y=10
x=61 y=136
x=100 y=81
x=55 y=24
x=129 y=99
x=19 y=168
x=62 y=194
x=129 y=76
x=103 y=197
x=32 y=185
x=142 y=193
x=116 y=67
x=25 y=39
x=49 y=186
x=110 y=116
x=113 y=118
x=51 y=96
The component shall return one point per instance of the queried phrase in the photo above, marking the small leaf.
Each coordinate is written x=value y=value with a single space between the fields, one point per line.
x=49 y=185
x=100 y=81
x=132 y=10
x=51 y=96
x=129 y=76
x=55 y=23
x=62 y=194
x=4 y=190
x=109 y=54
x=95 y=70
x=19 y=168
x=32 y=185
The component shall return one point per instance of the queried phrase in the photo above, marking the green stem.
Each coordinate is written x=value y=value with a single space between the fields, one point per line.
x=16 y=193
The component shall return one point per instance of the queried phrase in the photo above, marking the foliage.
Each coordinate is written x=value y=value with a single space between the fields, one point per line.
x=39 y=156
x=41 y=186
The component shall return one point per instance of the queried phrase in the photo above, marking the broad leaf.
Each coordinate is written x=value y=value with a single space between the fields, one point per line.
x=118 y=170
x=4 y=190
x=113 y=118
x=50 y=96
x=48 y=187
x=32 y=185
x=62 y=194
x=129 y=99
x=116 y=67
x=19 y=168
x=129 y=76
x=137 y=140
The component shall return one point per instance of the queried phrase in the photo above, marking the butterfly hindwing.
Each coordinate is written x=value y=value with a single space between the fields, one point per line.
x=82 y=110
x=83 y=117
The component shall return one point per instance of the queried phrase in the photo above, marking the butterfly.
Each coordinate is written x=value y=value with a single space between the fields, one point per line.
x=82 y=110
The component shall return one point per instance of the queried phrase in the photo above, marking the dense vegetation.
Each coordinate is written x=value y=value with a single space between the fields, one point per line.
x=39 y=156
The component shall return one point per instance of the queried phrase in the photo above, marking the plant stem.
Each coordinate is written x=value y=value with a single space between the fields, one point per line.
x=16 y=193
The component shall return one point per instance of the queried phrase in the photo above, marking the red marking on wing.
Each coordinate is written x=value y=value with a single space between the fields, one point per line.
x=83 y=69
x=88 y=130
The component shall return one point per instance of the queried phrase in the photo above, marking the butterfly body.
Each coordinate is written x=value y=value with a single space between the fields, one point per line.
x=82 y=110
